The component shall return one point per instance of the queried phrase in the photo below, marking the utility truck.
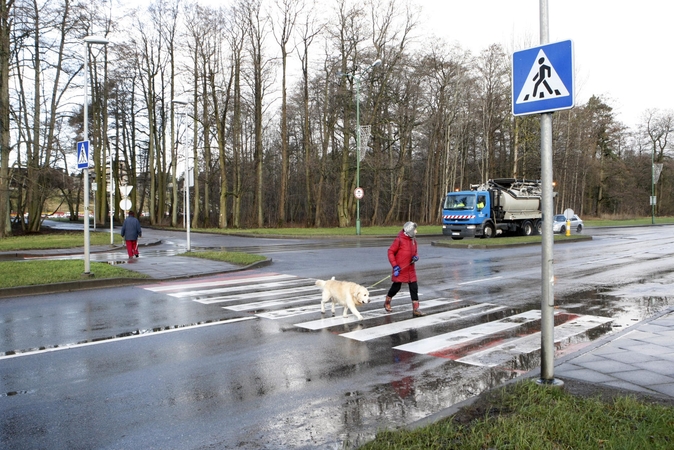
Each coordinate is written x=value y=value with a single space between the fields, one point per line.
x=503 y=205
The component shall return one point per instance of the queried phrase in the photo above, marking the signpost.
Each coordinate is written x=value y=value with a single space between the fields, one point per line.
x=125 y=203
x=543 y=83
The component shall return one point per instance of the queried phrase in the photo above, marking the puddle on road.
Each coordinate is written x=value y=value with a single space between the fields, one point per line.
x=624 y=310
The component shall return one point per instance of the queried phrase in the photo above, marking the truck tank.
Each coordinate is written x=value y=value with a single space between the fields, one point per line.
x=516 y=198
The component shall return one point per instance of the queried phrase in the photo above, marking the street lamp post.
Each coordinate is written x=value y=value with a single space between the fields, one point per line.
x=653 y=186
x=112 y=191
x=357 y=79
x=88 y=40
x=181 y=102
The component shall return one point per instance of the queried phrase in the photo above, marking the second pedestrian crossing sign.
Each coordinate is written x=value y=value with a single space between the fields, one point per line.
x=83 y=155
x=543 y=79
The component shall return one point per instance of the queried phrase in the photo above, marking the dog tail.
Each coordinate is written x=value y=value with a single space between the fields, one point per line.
x=321 y=283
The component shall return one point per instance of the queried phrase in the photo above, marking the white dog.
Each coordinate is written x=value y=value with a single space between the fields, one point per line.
x=347 y=294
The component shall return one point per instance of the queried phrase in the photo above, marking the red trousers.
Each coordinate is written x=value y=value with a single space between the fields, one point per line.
x=132 y=248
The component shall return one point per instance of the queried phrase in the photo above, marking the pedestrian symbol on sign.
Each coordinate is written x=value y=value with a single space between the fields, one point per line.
x=542 y=83
x=83 y=155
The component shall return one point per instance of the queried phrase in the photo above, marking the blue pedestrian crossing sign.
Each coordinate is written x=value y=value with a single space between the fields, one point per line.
x=83 y=155
x=543 y=79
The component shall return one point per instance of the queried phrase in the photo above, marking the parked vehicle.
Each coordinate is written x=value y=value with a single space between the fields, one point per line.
x=559 y=224
x=498 y=206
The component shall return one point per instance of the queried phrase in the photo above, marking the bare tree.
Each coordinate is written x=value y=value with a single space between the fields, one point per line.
x=658 y=126
x=257 y=33
x=6 y=24
x=288 y=10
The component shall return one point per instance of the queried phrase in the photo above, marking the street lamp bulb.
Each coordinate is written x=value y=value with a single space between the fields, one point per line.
x=376 y=63
x=179 y=101
x=96 y=40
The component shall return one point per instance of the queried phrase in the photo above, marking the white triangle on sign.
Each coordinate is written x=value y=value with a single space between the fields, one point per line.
x=82 y=155
x=125 y=190
x=542 y=83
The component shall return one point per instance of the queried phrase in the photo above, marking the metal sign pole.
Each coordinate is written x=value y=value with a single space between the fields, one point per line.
x=547 y=273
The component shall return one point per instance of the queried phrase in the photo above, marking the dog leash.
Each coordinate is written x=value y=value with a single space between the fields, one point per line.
x=385 y=278
x=388 y=276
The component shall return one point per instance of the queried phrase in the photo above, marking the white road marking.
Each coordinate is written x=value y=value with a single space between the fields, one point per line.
x=508 y=351
x=458 y=337
x=124 y=338
x=339 y=320
x=481 y=280
x=421 y=322
x=180 y=286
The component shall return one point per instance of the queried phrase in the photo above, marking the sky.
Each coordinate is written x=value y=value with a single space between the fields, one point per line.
x=622 y=50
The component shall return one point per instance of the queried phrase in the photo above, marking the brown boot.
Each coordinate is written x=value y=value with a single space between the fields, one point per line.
x=387 y=304
x=415 y=309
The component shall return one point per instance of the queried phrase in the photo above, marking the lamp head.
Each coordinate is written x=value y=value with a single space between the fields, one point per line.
x=96 y=40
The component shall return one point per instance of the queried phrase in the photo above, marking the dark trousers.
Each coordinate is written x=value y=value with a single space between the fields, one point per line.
x=413 y=286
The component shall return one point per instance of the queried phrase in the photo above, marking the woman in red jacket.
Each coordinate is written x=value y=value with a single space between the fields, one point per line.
x=402 y=254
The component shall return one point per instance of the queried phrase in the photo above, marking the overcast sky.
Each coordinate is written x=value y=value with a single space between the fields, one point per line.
x=623 y=50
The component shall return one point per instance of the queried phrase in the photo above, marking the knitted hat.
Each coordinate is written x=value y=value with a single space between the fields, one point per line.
x=409 y=228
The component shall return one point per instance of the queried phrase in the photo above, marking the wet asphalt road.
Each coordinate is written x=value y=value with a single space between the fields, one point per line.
x=174 y=365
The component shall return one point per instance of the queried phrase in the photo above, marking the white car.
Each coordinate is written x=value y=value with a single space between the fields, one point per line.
x=559 y=224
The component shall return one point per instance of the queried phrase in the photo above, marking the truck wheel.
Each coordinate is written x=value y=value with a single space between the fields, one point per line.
x=488 y=231
x=527 y=228
x=538 y=227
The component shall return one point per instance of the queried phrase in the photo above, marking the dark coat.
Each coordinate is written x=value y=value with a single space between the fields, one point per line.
x=131 y=230
x=400 y=253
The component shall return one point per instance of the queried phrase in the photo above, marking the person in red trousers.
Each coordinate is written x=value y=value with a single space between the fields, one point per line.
x=402 y=254
x=131 y=231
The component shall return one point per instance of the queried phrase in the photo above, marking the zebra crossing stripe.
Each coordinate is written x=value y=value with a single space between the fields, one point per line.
x=272 y=303
x=310 y=309
x=426 y=321
x=289 y=312
x=220 y=282
x=507 y=352
x=459 y=337
x=280 y=286
x=340 y=320
x=260 y=295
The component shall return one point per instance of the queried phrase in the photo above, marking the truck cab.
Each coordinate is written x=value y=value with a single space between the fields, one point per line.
x=465 y=214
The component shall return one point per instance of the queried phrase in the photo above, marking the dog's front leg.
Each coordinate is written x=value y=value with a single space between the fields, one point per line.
x=353 y=309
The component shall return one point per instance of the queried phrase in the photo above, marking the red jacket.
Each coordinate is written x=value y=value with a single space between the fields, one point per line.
x=400 y=253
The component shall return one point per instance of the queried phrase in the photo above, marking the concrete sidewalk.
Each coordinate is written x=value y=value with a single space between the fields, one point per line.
x=638 y=359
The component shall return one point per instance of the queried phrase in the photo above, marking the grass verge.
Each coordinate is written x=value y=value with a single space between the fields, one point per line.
x=27 y=273
x=57 y=240
x=243 y=259
x=639 y=221
x=526 y=415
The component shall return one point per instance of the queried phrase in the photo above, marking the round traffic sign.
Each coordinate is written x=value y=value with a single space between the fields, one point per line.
x=568 y=213
x=125 y=204
x=358 y=193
